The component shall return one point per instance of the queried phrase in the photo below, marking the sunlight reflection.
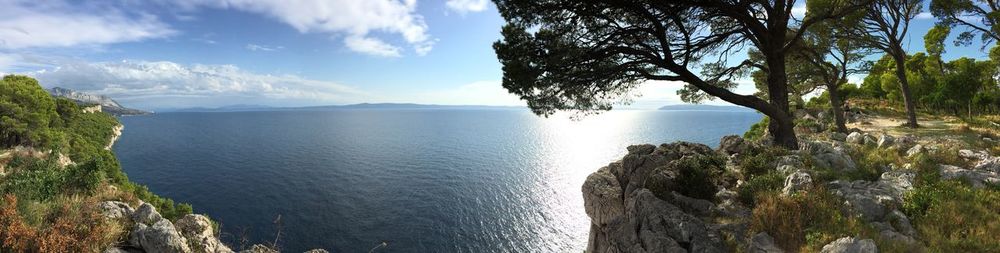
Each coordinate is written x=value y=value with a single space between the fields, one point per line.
x=578 y=148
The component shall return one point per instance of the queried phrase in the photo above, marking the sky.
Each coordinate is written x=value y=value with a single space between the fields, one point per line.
x=163 y=54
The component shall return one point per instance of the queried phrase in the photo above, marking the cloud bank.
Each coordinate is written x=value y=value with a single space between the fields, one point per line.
x=354 y=22
x=466 y=6
x=38 y=24
x=143 y=81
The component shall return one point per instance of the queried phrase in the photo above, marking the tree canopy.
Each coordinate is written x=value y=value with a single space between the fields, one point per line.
x=588 y=56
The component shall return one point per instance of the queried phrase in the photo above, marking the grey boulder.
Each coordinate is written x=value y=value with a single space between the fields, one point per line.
x=850 y=245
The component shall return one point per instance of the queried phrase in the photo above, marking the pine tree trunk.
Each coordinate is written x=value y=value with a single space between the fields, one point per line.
x=838 y=109
x=782 y=126
x=904 y=86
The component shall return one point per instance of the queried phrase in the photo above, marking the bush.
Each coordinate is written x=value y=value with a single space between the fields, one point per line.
x=759 y=185
x=757 y=130
x=75 y=226
x=759 y=160
x=951 y=216
x=802 y=221
x=699 y=176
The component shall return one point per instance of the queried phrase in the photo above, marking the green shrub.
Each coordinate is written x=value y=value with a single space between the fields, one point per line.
x=759 y=160
x=951 y=216
x=757 y=130
x=699 y=176
x=802 y=221
x=759 y=185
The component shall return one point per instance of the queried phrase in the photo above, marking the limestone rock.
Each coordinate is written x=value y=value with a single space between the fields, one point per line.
x=856 y=138
x=885 y=140
x=797 y=181
x=789 y=163
x=161 y=237
x=973 y=155
x=691 y=205
x=257 y=248
x=870 y=140
x=122 y=250
x=732 y=144
x=626 y=216
x=977 y=178
x=197 y=229
x=899 y=181
x=988 y=163
x=850 y=245
x=827 y=156
x=915 y=150
x=115 y=209
x=317 y=251
x=901 y=223
x=146 y=214
x=869 y=200
x=602 y=198
x=763 y=243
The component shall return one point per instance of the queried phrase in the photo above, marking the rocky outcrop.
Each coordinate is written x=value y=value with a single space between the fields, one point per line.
x=763 y=243
x=732 y=144
x=628 y=217
x=115 y=133
x=257 y=248
x=850 y=245
x=115 y=209
x=885 y=141
x=856 y=138
x=152 y=233
x=200 y=234
x=146 y=214
x=797 y=181
x=827 y=155
x=162 y=236
x=976 y=178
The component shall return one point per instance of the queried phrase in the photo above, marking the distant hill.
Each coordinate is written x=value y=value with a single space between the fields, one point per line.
x=362 y=106
x=697 y=107
x=107 y=104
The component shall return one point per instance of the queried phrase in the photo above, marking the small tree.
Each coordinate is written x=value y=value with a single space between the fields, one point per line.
x=830 y=55
x=884 y=27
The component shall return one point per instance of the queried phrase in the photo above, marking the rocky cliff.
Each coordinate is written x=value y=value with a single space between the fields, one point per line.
x=645 y=201
x=107 y=104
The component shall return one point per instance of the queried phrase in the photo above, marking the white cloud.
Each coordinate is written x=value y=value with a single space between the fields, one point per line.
x=799 y=11
x=31 y=24
x=466 y=6
x=255 y=47
x=146 y=81
x=371 y=46
x=925 y=15
x=354 y=21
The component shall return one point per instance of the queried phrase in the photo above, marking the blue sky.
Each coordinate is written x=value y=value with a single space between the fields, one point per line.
x=186 y=53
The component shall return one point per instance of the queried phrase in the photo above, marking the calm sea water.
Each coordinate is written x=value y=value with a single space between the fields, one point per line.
x=419 y=180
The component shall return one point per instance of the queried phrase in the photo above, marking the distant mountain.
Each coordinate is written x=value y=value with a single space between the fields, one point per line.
x=362 y=106
x=697 y=107
x=107 y=104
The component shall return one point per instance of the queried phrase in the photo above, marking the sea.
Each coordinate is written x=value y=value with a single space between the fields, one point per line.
x=397 y=180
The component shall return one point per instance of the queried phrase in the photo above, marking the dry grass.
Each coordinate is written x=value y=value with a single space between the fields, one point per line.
x=72 y=225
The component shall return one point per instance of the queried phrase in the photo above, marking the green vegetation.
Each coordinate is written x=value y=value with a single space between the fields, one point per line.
x=699 y=176
x=54 y=202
